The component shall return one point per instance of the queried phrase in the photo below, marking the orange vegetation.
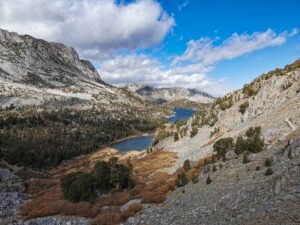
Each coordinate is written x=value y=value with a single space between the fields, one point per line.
x=152 y=186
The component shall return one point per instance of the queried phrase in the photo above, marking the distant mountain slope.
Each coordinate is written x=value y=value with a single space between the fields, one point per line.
x=169 y=94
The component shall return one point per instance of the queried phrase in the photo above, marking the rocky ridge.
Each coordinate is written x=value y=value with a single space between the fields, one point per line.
x=41 y=73
x=161 y=95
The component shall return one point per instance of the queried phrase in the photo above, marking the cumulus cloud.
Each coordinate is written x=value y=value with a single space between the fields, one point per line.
x=205 y=52
x=95 y=27
x=199 y=60
x=142 y=69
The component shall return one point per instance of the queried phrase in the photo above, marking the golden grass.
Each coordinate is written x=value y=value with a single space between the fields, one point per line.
x=51 y=202
x=114 y=199
x=153 y=197
x=107 y=218
x=132 y=210
x=152 y=186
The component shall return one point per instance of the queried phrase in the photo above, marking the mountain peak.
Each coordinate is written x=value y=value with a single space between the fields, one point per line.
x=29 y=60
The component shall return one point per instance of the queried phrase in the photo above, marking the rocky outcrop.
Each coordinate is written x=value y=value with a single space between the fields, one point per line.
x=25 y=59
x=161 y=95
x=11 y=196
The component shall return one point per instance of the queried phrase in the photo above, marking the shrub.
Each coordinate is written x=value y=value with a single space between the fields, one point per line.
x=216 y=130
x=224 y=157
x=257 y=168
x=78 y=187
x=222 y=146
x=240 y=145
x=176 y=137
x=254 y=143
x=268 y=162
x=111 y=175
x=180 y=123
x=106 y=176
x=214 y=169
x=181 y=179
x=225 y=102
x=162 y=134
x=269 y=172
x=248 y=90
x=243 y=107
x=195 y=179
x=194 y=131
x=187 y=164
x=102 y=174
x=245 y=157
x=208 y=180
x=252 y=132
x=286 y=86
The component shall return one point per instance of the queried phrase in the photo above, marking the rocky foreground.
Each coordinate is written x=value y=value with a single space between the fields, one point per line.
x=12 y=197
x=239 y=193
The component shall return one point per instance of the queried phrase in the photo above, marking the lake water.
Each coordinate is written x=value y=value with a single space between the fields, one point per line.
x=143 y=142
x=136 y=143
x=181 y=113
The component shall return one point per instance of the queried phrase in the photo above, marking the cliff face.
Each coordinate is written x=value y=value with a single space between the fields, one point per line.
x=25 y=59
x=170 y=94
x=40 y=73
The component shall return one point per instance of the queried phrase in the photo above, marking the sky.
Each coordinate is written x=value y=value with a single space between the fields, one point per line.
x=212 y=45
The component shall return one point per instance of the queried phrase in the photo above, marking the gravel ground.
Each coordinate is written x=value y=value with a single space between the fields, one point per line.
x=238 y=194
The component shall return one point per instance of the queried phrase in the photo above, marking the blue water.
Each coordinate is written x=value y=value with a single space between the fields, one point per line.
x=136 y=143
x=143 y=142
x=181 y=113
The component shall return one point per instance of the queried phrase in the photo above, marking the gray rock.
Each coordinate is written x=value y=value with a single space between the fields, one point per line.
x=238 y=194
x=128 y=204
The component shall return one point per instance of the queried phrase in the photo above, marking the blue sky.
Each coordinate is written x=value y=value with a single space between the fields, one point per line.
x=208 y=18
x=215 y=45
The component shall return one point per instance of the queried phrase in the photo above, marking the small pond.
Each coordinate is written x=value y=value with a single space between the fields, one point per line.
x=137 y=143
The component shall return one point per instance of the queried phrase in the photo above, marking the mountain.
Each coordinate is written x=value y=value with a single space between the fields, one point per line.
x=48 y=93
x=28 y=60
x=271 y=101
x=160 y=95
x=41 y=73
x=236 y=161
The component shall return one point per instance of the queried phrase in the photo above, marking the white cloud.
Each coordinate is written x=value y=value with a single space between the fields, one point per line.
x=142 y=69
x=183 y=5
x=199 y=60
x=95 y=27
x=205 y=52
